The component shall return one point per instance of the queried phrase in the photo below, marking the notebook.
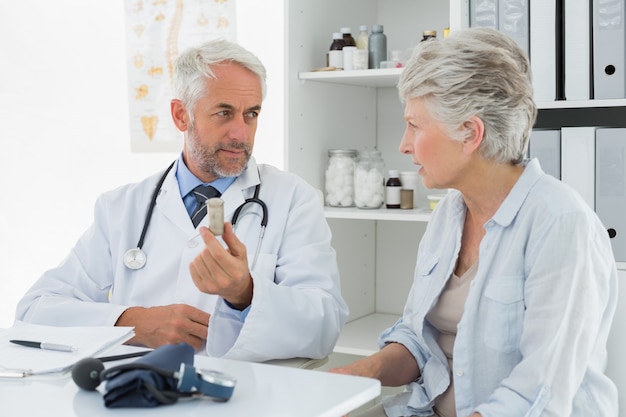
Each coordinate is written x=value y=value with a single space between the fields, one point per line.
x=21 y=361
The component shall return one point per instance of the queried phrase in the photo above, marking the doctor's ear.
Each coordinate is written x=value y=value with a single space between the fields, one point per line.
x=179 y=114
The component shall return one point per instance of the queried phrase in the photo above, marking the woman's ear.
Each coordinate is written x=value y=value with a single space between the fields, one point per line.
x=474 y=134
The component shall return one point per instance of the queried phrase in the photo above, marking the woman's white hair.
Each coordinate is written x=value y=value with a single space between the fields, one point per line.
x=476 y=72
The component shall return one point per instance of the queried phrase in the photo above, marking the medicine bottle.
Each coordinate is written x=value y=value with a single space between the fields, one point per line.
x=340 y=177
x=428 y=34
x=410 y=181
x=392 y=190
x=362 y=38
x=348 y=39
x=369 y=180
x=377 y=46
x=335 y=54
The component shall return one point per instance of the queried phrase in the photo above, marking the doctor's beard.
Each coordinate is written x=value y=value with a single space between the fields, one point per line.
x=206 y=157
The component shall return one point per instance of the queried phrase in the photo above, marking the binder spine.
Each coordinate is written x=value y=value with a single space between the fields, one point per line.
x=609 y=59
x=484 y=13
x=513 y=20
x=543 y=48
x=578 y=56
x=545 y=145
x=611 y=186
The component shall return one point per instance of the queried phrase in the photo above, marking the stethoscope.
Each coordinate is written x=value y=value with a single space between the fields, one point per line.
x=135 y=258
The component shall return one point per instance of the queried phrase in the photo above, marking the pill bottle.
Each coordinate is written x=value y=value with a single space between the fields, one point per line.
x=406 y=198
x=339 y=177
x=348 y=39
x=392 y=190
x=348 y=57
x=363 y=37
x=428 y=34
x=377 y=46
x=411 y=181
x=335 y=54
x=369 y=180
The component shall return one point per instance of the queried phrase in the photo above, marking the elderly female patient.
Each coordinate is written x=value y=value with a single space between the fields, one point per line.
x=515 y=284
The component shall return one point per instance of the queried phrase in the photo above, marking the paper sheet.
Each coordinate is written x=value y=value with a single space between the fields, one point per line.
x=18 y=360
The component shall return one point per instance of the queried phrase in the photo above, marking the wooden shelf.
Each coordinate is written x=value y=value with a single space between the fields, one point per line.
x=416 y=214
x=360 y=337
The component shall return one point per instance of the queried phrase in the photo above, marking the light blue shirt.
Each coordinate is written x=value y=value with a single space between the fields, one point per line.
x=187 y=182
x=532 y=338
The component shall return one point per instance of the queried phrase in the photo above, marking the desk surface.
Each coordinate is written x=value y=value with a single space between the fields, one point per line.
x=261 y=390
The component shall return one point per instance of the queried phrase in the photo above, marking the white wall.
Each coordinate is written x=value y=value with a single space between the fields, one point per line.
x=64 y=125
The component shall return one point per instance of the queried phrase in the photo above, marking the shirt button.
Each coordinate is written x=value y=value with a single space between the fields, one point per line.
x=192 y=243
x=459 y=372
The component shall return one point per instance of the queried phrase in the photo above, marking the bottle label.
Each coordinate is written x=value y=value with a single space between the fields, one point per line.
x=335 y=59
x=392 y=195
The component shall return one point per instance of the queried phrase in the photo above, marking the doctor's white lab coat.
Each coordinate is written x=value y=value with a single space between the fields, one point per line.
x=297 y=309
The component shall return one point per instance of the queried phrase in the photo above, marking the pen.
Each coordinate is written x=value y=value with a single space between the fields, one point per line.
x=44 y=345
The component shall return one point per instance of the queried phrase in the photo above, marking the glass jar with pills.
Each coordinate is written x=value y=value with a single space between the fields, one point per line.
x=369 y=180
x=339 y=177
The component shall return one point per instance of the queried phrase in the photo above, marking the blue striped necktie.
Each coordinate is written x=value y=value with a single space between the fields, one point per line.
x=202 y=194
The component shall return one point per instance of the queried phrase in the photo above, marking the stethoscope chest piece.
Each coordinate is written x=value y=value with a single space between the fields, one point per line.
x=134 y=258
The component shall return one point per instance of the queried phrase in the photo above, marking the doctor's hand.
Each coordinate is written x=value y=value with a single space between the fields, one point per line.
x=163 y=325
x=223 y=272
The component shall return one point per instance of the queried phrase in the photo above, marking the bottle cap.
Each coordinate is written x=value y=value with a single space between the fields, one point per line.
x=393 y=173
x=343 y=152
x=337 y=35
x=429 y=33
x=363 y=27
x=377 y=28
x=346 y=30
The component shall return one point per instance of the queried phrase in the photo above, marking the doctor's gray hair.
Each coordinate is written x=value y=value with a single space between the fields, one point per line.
x=475 y=72
x=193 y=67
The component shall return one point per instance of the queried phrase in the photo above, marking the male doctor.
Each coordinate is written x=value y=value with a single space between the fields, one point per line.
x=195 y=287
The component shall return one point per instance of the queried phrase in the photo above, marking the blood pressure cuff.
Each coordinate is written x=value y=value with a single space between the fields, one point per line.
x=133 y=386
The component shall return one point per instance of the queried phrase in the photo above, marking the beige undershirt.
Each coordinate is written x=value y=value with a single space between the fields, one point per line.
x=445 y=316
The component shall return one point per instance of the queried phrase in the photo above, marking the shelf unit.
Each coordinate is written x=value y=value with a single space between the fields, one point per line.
x=357 y=110
x=360 y=109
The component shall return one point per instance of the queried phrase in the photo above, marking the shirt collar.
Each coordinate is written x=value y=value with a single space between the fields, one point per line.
x=187 y=181
x=513 y=202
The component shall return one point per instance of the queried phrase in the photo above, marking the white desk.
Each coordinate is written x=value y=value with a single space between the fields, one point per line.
x=261 y=390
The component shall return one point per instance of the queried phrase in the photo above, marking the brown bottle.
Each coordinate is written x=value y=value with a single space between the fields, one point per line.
x=348 y=39
x=428 y=34
x=392 y=190
x=335 y=54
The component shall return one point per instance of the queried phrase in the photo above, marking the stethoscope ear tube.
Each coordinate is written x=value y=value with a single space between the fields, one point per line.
x=256 y=200
x=155 y=194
